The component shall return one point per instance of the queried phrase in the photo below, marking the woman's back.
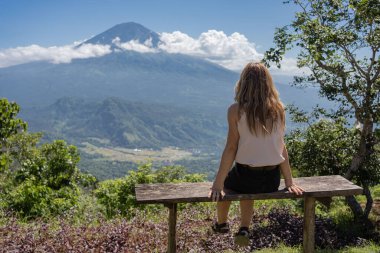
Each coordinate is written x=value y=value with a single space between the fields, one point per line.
x=258 y=149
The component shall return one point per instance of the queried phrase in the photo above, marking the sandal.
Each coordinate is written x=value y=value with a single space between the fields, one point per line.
x=242 y=237
x=220 y=228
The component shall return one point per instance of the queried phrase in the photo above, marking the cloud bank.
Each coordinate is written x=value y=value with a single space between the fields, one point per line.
x=230 y=51
x=63 y=54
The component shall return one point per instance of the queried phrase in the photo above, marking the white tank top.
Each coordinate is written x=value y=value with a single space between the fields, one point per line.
x=261 y=150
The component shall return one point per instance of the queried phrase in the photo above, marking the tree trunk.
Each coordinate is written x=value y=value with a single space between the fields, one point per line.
x=364 y=151
x=369 y=203
x=355 y=207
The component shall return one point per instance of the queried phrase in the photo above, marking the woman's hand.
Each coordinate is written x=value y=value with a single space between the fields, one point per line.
x=287 y=173
x=293 y=188
x=216 y=194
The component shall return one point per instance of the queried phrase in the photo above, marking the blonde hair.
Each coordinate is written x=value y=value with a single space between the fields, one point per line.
x=258 y=98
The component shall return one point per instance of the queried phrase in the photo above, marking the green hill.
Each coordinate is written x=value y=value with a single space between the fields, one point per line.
x=127 y=124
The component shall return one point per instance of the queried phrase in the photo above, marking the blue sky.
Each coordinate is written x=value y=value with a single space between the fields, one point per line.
x=48 y=23
x=57 y=22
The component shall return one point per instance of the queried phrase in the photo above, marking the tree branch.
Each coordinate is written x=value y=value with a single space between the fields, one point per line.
x=303 y=7
x=351 y=100
x=353 y=62
x=374 y=50
x=320 y=81
x=377 y=73
x=334 y=70
x=346 y=93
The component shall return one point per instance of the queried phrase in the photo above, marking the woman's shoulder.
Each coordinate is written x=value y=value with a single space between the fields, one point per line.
x=234 y=112
x=234 y=107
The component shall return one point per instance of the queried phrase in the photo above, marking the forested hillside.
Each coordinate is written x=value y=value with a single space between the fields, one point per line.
x=126 y=124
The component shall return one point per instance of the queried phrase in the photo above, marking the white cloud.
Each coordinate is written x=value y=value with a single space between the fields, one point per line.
x=135 y=45
x=178 y=42
x=55 y=54
x=231 y=51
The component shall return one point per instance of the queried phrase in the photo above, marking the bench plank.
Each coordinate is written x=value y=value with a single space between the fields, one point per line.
x=317 y=186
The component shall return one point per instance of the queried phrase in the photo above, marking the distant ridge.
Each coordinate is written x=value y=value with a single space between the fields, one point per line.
x=125 y=123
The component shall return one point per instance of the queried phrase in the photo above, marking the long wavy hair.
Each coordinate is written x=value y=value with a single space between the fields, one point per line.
x=259 y=99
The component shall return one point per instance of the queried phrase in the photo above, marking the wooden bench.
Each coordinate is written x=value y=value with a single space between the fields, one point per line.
x=320 y=188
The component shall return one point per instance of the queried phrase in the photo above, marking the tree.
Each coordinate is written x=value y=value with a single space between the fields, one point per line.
x=36 y=180
x=9 y=125
x=339 y=42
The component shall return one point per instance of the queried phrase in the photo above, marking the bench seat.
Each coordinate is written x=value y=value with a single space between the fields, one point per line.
x=316 y=188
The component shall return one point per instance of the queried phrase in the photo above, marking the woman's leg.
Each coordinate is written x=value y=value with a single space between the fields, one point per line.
x=222 y=208
x=246 y=211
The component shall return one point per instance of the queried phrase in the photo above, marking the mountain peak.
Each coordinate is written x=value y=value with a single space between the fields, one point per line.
x=125 y=32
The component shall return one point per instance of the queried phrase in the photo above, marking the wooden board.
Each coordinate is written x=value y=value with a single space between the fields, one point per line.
x=319 y=186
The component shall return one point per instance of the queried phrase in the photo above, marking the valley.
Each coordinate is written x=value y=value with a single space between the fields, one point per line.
x=166 y=155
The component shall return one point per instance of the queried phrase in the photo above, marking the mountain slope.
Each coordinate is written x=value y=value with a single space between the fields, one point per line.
x=152 y=77
x=125 y=32
x=124 y=123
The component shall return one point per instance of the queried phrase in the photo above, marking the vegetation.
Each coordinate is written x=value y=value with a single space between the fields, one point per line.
x=339 y=42
x=326 y=146
x=118 y=195
x=95 y=165
x=36 y=180
x=10 y=125
x=47 y=204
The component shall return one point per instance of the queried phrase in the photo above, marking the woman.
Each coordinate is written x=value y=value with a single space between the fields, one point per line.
x=256 y=143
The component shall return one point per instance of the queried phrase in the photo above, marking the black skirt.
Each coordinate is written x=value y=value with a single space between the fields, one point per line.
x=259 y=180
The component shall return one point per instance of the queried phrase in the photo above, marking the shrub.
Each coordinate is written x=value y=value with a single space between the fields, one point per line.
x=45 y=183
x=118 y=195
x=326 y=148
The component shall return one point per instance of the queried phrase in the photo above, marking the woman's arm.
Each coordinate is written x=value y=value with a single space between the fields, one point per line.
x=228 y=155
x=287 y=173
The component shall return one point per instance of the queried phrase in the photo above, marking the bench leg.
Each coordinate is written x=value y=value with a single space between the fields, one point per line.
x=309 y=225
x=172 y=245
